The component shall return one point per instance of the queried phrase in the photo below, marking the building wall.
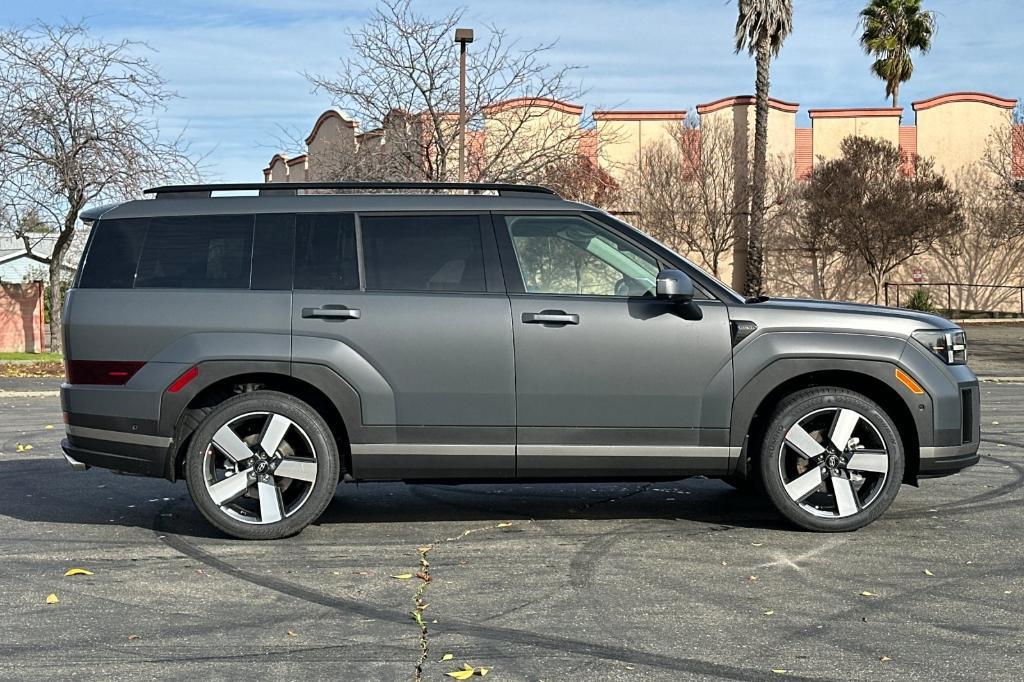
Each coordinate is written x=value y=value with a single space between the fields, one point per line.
x=955 y=129
x=831 y=126
x=21 y=318
x=621 y=137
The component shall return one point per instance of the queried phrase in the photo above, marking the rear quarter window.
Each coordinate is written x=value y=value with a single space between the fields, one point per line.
x=197 y=252
x=113 y=254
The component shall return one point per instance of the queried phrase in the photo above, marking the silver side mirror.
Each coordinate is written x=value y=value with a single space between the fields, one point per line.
x=674 y=285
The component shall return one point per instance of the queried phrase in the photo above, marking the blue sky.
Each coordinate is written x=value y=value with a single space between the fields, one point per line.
x=237 y=63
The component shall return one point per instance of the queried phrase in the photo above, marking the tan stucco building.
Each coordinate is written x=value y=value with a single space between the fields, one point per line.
x=955 y=130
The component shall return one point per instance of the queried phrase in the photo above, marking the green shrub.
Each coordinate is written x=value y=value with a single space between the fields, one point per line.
x=920 y=300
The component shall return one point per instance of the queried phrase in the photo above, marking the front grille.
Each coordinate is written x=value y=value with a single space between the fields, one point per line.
x=967 y=415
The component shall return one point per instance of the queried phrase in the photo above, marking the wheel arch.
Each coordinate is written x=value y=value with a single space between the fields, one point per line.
x=876 y=380
x=318 y=386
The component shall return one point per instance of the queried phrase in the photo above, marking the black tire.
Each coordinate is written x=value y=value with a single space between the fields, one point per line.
x=313 y=442
x=877 y=489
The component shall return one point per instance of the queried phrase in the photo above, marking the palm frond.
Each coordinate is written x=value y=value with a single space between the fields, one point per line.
x=760 y=20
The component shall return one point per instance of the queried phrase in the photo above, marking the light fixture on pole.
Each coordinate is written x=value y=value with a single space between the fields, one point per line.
x=463 y=36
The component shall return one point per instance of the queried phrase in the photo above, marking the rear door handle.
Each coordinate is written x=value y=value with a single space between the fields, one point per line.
x=332 y=313
x=551 y=317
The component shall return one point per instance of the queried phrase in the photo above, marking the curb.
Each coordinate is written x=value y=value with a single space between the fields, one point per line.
x=1001 y=380
x=29 y=394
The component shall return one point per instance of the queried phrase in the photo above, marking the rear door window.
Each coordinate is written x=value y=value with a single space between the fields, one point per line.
x=197 y=252
x=113 y=254
x=325 y=252
x=441 y=253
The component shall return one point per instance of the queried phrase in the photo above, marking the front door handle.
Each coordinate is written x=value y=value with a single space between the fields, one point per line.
x=551 y=317
x=332 y=313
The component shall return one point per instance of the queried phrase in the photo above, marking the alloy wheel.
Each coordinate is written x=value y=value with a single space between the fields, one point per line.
x=834 y=462
x=260 y=467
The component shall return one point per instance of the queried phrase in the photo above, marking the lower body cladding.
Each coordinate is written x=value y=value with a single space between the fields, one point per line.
x=389 y=461
x=126 y=452
x=956 y=445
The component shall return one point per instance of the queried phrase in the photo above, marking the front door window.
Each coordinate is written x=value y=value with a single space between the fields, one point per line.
x=570 y=255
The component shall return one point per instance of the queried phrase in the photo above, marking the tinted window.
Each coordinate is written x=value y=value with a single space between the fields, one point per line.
x=325 y=252
x=273 y=246
x=423 y=253
x=113 y=254
x=570 y=255
x=197 y=252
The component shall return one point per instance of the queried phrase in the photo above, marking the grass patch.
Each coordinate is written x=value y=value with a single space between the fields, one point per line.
x=34 y=357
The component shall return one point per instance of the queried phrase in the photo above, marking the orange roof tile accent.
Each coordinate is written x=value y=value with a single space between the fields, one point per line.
x=541 y=102
x=746 y=100
x=908 y=148
x=324 y=117
x=646 y=115
x=864 y=112
x=949 y=98
x=589 y=145
x=803 y=153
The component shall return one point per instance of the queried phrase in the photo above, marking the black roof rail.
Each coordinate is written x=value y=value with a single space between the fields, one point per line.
x=292 y=188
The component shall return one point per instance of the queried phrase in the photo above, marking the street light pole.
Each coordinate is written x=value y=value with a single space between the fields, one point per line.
x=463 y=36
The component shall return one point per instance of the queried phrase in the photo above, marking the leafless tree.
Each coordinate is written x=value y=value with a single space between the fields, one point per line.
x=983 y=252
x=877 y=211
x=686 y=190
x=690 y=191
x=1004 y=160
x=402 y=86
x=76 y=128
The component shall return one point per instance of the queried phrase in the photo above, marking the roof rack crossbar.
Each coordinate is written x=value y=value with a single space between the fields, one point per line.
x=272 y=188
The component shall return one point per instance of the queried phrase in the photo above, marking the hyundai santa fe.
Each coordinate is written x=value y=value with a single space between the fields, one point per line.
x=266 y=347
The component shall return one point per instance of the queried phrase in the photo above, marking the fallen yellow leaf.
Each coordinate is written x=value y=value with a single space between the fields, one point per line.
x=292 y=633
x=463 y=674
x=483 y=671
x=77 y=571
x=52 y=599
x=49 y=426
x=779 y=671
x=769 y=613
x=447 y=657
x=927 y=572
x=884 y=659
x=504 y=525
x=402 y=576
x=132 y=638
x=865 y=593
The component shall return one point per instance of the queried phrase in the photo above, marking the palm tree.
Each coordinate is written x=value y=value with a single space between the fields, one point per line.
x=892 y=28
x=761 y=28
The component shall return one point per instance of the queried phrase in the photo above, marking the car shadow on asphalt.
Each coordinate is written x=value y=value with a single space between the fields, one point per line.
x=44 y=490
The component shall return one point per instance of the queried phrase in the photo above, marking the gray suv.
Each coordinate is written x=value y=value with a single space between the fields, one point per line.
x=266 y=347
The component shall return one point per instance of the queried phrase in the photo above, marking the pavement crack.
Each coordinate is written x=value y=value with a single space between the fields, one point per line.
x=419 y=605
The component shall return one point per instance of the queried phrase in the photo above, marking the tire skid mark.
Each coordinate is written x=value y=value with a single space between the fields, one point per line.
x=971 y=504
x=485 y=632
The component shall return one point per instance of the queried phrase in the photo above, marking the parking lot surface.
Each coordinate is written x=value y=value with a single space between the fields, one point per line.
x=664 y=581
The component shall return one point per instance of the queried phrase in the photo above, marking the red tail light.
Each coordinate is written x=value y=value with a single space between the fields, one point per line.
x=102 y=372
x=183 y=381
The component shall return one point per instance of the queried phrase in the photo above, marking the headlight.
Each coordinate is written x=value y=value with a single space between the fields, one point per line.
x=949 y=345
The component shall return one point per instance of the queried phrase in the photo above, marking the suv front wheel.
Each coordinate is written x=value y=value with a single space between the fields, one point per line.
x=832 y=460
x=262 y=465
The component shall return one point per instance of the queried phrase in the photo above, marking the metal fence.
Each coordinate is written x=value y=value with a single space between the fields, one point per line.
x=961 y=297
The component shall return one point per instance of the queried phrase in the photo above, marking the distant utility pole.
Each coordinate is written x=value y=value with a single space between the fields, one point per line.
x=463 y=36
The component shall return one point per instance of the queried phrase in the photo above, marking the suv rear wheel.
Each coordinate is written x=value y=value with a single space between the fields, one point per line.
x=832 y=460
x=262 y=465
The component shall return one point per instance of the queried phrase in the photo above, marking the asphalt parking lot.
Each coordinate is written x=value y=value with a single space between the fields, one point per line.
x=671 y=581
